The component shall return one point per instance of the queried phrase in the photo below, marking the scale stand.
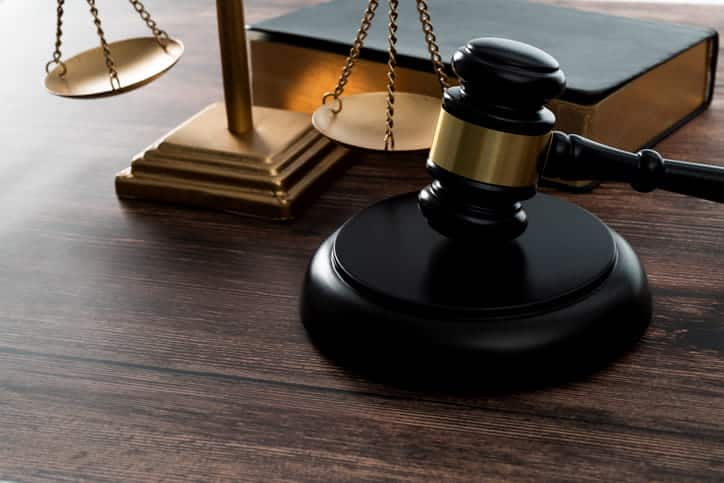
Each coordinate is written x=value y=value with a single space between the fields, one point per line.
x=234 y=157
x=230 y=157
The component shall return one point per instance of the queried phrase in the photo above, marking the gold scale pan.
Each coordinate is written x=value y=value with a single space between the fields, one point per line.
x=409 y=120
x=114 y=68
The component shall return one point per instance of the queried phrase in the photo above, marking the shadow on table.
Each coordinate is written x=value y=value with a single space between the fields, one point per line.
x=463 y=376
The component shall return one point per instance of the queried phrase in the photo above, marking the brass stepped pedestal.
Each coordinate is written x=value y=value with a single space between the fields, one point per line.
x=266 y=172
x=233 y=156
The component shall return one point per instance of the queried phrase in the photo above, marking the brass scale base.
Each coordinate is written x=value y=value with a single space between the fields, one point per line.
x=271 y=170
x=268 y=172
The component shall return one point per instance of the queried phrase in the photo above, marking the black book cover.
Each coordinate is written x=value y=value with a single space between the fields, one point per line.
x=599 y=53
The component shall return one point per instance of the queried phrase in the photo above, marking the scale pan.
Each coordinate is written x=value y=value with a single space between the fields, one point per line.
x=361 y=123
x=138 y=61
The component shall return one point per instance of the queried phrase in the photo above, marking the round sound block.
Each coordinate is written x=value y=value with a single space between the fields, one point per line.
x=388 y=294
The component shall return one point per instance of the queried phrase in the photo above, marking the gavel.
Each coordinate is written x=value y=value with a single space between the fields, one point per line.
x=495 y=139
x=456 y=282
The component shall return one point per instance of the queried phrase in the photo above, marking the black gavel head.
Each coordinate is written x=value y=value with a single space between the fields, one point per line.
x=491 y=140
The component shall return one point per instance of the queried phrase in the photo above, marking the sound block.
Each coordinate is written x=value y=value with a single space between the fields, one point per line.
x=388 y=296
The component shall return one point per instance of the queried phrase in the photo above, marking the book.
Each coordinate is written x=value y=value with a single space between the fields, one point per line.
x=630 y=82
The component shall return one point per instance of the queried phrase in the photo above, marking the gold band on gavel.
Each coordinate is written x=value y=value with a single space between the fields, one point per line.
x=486 y=155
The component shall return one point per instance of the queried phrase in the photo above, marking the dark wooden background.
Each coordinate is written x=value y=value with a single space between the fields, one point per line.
x=142 y=342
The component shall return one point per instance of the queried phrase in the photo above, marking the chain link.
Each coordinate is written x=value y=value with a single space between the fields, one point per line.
x=432 y=45
x=110 y=63
x=353 y=56
x=391 y=77
x=159 y=34
x=57 y=54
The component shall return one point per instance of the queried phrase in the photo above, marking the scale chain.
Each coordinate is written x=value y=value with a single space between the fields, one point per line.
x=110 y=63
x=159 y=34
x=353 y=56
x=391 y=77
x=57 y=54
x=432 y=45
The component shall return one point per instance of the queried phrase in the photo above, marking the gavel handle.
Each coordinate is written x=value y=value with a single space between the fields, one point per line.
x=573 y=157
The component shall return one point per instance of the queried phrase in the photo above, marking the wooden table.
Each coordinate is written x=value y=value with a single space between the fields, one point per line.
x=143 y=342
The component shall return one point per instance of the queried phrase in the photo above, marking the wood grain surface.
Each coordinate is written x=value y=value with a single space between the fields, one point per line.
x=141 y=342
